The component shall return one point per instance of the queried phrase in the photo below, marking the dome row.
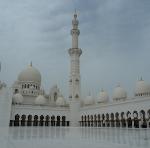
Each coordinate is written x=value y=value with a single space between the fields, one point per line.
x=119 y=93
x=40 y=100
x=31 y=74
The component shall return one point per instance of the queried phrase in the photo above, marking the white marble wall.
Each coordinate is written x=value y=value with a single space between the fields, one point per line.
x=5 y=107
x=5 y=110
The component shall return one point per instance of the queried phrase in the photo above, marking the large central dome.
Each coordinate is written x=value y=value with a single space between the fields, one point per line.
x=30 y=74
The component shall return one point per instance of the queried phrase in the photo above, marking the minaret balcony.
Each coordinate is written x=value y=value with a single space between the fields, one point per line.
x=77 y=51
x=75 y=32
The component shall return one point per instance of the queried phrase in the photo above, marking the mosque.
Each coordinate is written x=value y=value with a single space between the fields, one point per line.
x=31 y=106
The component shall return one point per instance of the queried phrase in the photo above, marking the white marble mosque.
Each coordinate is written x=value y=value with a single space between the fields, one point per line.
x=26 y=103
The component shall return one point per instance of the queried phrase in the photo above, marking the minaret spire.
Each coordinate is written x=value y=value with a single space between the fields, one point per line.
x=75 y=32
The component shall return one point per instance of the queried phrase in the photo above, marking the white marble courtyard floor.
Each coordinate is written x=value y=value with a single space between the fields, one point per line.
x=69 y=137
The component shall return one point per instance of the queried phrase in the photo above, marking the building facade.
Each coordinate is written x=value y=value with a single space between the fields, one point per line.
x=31 y=106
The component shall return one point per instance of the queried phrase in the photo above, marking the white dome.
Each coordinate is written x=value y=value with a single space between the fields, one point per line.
x=89 y=100
x=30 y=74
x=17 y=98
x=40 y=100
x=103 y=96
x=119 y=93
x=60 y=101
x=141 y=88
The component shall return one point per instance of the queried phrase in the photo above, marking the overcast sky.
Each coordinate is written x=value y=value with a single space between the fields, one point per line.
x=115 y=39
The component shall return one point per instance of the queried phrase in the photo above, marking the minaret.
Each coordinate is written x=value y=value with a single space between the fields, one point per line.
x=5 y=110
x=74 y=81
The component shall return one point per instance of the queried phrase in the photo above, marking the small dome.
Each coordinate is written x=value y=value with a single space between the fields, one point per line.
x=60 y=101
x=103 y=96
x=40 y=100
x=119 y=93
x=30 y=74
x=142 y=88
x=89 y=100
x=17 y=98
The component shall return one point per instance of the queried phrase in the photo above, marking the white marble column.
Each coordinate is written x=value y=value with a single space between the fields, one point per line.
x=74 y=80
x=5 y=110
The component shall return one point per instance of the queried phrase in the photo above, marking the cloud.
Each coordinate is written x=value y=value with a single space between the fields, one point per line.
x=114 y=39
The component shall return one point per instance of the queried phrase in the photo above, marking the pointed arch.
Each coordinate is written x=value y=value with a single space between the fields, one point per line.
x=99 y=120
x=35 y=121
x=123 y=120
x=135 y=119
x=64 y=120
x=91 y=119
x=112 y=120
x=58 y=121
x=88 y=120
x=23 y=120
x=95 y=120
x=41 y=122
x=29 y=120
x=129 y=120
x=107 y=120
x=52 y=120
x=143 y=119
x=47 y=118
x=17 y=118
x=148 y=117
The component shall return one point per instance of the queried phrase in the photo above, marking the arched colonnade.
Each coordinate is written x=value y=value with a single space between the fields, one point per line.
x=30 y=120
x=135 y=119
